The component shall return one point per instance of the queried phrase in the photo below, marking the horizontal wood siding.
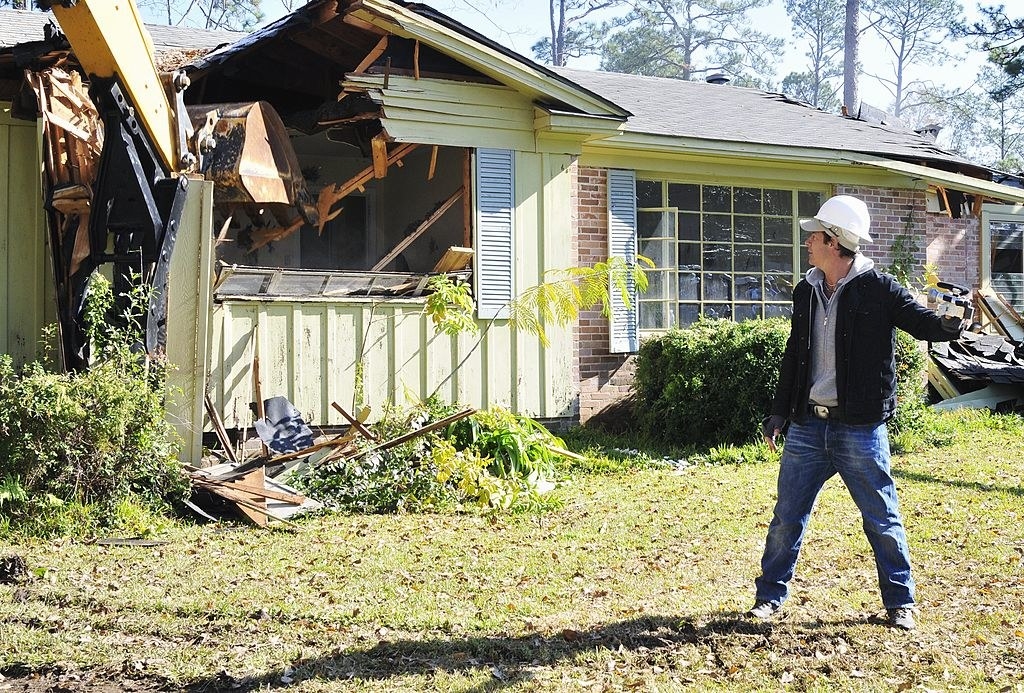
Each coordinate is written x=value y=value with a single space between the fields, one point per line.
x=314 y=352
x=433 y=111
x=26 y=292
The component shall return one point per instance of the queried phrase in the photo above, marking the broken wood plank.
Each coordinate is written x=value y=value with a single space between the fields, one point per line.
x=379 y=150
x=263 y=236
x=333 y=442
x=257 y=386
x=332 y=193
x=424 y=225
x=372 y=56
x=418 y=432
x=218 y=428
x=456 y=258
x=355 y=423
x=416 y=60
x=293 y=498
x=433 y=163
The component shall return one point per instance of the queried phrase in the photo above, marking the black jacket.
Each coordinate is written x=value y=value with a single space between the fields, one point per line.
x=870 y=307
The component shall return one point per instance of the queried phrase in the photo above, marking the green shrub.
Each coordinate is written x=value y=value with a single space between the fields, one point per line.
x=94 y=440
x=709 y=384
x=493 y=460
x=912 y=416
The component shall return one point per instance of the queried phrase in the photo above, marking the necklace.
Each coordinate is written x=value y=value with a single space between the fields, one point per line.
x=831 y=288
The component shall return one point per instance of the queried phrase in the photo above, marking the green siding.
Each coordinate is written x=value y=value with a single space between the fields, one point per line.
x=434 y=111
x=188 y=310
x=309 y=350
x=25 y=290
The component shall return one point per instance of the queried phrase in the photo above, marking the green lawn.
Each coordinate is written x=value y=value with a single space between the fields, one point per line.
x=637 y=583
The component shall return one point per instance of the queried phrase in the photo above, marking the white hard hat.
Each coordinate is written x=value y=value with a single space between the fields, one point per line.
x=844 y=218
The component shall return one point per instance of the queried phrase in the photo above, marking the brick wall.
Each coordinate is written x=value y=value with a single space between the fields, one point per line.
x=950 y=244
x=605 y=378
x=954 y=246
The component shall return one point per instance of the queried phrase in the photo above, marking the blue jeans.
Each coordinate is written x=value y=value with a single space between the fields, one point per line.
x=815 y=451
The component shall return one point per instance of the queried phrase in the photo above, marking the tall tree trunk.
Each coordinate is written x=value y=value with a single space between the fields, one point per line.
x=851 y=54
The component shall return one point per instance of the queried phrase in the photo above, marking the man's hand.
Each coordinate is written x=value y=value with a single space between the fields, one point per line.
x=771 y=427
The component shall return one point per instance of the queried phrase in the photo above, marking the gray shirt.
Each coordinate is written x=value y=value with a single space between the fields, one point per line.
x=823 y=332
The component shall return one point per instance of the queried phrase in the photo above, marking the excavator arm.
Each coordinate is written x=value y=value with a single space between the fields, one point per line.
x=139 y=193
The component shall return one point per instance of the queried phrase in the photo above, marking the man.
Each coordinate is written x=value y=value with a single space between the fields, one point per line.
x=837 y=387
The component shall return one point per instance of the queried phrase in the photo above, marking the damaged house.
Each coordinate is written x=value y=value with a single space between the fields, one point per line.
x=417 y=146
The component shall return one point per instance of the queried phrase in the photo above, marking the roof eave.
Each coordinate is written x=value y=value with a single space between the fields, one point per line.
x=488 y=58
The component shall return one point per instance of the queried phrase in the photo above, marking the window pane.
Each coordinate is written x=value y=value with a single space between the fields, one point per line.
x=652 y=315
x=648 y=193
x=747 y=201
x=747 y=311
x=718 y=310
x=717 y=227
x=689 y=286
x=778 y=310
x=748 y=258
x=717 y=287
x=689 y=256
x=717 y=256
x=686 y=197
x=778 y=202
x=778 y=230
x=657 y=250
x=689 y=227
x=649 y=224
x=747 y=229
x=688 y=314
x=748 y=287
x=717 y=198
x=778 y=258
x=778 y=287
x=809 y=202
x=657 y=285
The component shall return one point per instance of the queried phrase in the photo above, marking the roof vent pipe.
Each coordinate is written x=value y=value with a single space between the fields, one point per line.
x=717 y=78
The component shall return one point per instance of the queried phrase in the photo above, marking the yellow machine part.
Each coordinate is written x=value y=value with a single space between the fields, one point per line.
x=109 y=39
x=245 y=150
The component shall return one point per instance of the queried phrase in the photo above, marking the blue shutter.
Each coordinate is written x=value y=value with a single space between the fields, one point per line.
x=495 y=249
x=622 y=243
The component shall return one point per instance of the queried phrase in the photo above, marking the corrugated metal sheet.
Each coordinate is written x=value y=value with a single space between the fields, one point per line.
x=25 y=289
x=318 y=352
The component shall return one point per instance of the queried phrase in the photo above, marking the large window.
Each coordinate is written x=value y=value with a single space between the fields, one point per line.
x=719 y=250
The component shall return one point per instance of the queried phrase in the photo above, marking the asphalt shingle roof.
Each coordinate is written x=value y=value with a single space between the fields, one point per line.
x=677 y=108
x=22 y=26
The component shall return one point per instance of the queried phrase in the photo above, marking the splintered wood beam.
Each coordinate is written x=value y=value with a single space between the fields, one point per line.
x=355 y=423
x=416 y=60
x=942 y=191
x=364 y=25
x=379 y=147
x=332 y=193
x=433 y=163
x=372 y=56
x=424 y=225
x=260 y=237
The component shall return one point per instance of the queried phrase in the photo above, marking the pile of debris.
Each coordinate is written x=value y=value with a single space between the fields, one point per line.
x=978 y=370
x=254 y=481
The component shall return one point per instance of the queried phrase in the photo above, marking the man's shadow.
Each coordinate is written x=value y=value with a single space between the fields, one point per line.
x=511 y=659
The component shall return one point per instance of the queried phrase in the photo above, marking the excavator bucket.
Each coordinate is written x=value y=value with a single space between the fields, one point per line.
x=245 y=150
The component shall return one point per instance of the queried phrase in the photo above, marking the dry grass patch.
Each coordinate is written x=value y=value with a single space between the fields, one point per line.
x=637 y=583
